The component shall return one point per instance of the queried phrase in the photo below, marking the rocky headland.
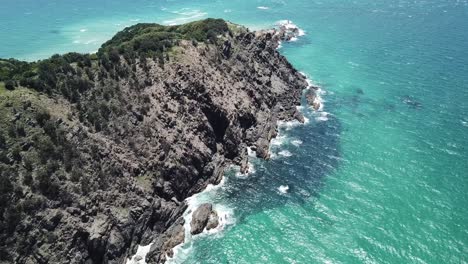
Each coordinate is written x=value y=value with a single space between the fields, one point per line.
x=99 y=151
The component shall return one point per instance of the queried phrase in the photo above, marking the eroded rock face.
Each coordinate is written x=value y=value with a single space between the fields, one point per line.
x=311 y=98
x=178 y=125
x=213 y=221
x=203 y=215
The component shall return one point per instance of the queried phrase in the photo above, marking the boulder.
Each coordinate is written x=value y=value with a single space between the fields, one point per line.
x=203 y=216
x=213 y=221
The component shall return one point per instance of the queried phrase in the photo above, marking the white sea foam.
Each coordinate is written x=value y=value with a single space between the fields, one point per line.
x=279 y=45
x=251 y=153
x=250 y=170
x=318 y=100
x=283 y=189
x=225 y=218
x=263 y=7
x=285 y=153
x=288 y=125
x=322 y=116
x=181 y=252
x=83 y=30
x=291 y=30
x=289 y=25
x=296 y=142
x=278 y=140
x=140 y=255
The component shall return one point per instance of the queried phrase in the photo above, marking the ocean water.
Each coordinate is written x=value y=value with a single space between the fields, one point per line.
x=379 y=176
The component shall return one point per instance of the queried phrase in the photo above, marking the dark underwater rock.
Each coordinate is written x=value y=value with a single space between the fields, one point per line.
x=411 y=102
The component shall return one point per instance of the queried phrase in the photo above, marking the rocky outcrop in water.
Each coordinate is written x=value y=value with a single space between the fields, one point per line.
x=311 y=97
x=203 y=217
x=102 y=150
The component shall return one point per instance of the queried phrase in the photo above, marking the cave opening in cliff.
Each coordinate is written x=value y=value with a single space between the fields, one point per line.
x=218 y=122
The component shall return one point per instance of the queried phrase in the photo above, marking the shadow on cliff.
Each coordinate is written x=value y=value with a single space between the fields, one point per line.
x=303 y=171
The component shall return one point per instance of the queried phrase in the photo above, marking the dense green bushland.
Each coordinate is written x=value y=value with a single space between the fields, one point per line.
x=73 y=73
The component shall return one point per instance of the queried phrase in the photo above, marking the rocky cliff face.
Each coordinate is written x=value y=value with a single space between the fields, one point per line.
x=101 y=158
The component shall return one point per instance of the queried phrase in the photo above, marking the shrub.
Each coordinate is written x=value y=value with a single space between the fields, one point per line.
x=16 y=152
x=10 y=85
x=114 y=56
x=42 y=115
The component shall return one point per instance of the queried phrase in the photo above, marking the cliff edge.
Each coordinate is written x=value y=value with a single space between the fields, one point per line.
x=99 y=151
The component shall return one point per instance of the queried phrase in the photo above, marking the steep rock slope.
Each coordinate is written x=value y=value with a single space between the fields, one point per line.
x=98 y=152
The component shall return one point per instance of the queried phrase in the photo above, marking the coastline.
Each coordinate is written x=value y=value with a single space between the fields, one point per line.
x=166 y=127
x=227 y=215
x=285 y=31
x=205 y=196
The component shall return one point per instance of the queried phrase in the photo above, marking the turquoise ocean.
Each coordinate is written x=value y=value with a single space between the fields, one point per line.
x=379 y=176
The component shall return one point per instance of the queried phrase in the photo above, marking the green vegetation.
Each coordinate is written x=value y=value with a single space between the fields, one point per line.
x=154 y=39
x=72 y=74
x=44 y=76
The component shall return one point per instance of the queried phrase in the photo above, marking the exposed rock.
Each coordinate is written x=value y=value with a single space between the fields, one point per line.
x=213 y=221
x=201 y=217
x=244 y=161
x=144 y=134
x=311 y=98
